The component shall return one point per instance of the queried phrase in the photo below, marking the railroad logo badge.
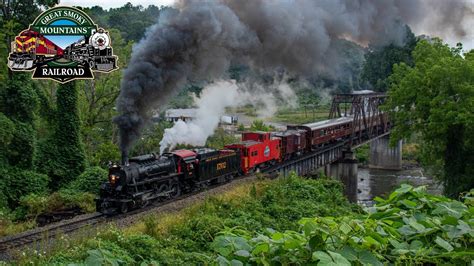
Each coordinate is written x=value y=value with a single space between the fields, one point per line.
x=62 y=44
x=266 y=152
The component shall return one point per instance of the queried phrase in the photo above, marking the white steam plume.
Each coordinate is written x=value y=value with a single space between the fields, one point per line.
x=211 y=105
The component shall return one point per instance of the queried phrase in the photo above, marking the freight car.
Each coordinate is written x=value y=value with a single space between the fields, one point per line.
x=293 y=143
x=30 y=48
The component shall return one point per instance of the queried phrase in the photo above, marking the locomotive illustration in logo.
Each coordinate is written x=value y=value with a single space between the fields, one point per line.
x=63 y=44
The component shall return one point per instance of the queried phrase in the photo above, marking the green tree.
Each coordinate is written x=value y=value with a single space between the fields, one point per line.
x=62 y=154
x=220 y=138
x=435 y=97
x=19 y=102
x=96 y=105
x=7 y=130
x=259 y=125
x=379 y=61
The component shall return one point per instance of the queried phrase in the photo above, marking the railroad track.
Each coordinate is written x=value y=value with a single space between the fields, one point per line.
x=31 y=237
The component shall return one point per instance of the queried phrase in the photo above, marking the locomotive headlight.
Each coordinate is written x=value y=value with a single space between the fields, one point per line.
x=113 y=178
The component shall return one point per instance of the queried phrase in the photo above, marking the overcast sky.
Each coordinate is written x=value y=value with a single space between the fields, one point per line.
x=115 y=3
x=468 y=41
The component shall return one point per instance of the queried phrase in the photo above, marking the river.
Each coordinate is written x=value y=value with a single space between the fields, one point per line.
x=375 y=182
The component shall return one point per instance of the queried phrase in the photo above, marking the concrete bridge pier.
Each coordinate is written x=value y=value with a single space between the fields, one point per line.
x=383 y=156
x=345 y=170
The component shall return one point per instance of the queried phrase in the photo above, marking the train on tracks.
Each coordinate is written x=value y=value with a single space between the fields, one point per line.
x=135 y=182
x=31 y=48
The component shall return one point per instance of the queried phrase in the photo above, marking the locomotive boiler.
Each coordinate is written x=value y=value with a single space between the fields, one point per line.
x=137 y=182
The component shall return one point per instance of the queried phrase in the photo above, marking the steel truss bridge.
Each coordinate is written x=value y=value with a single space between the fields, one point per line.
x=365 y=108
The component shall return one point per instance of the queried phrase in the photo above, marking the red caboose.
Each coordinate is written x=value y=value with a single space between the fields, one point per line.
x=258 y=150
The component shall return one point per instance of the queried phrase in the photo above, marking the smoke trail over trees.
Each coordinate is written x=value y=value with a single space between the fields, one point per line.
x=199 y=40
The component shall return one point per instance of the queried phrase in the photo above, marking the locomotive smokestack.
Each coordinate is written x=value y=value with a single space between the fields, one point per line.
x=124 y=157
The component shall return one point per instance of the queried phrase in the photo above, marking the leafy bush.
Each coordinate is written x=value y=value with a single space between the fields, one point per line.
x=18 y=183
x=90 y=180
x=259 y=125
x=409 y=227
x=7 y=129
x=411 y=152
x=362 y=154
x=105 y=153
x=34 y=204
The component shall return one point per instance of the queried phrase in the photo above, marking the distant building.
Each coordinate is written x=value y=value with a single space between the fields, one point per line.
x=173 y=115
x=186 y=115
x=229 y=119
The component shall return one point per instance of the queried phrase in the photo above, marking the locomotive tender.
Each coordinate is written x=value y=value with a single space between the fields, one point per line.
x=148 y=177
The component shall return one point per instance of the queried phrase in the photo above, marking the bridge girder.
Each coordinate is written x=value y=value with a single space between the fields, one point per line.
x=365 y=108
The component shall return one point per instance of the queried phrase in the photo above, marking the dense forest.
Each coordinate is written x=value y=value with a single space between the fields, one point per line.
x=57 y=140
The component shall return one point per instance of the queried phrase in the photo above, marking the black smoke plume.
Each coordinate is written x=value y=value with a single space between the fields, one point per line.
x=199 y=40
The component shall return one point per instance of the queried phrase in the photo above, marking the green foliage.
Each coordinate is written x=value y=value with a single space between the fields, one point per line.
x=137 y=17
x=220 y=138
x=34 y=204
x=96 y=103
x=151 y=137
x=188 y=237
x=19 y=99
x=16 y=183
x=90 y=180
x=379 y=61
x=106 y=152
x=434 y=98
x=19 y=103
x=22 y=148
x=409 y=227
x=362 y=154
x=7 y=131
x=259 y=125
x=62 y=155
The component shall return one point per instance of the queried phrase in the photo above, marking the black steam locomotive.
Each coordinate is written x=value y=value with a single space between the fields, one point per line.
x=94 y=51
x=152 y=177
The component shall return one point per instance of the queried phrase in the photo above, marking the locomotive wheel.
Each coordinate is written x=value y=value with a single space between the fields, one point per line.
x=175 y=191
x=163 y=188
x=123 y=207
x=145 y=203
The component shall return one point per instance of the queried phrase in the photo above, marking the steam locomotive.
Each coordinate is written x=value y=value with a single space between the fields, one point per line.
x=95 y=51
x=30 y=48
x=136 y=182
x=152 y=177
